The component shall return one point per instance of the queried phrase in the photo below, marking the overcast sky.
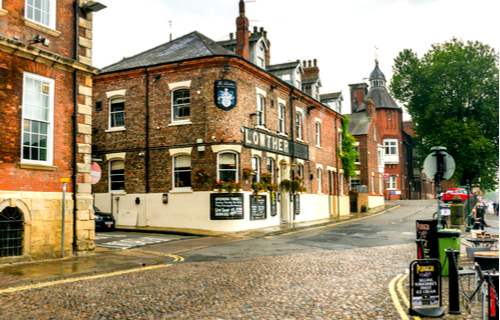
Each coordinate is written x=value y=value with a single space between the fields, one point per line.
x=341 y=34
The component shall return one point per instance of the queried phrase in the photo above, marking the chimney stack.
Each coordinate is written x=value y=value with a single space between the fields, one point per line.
x=242 y=42
x=370 y=109
x=358 y=93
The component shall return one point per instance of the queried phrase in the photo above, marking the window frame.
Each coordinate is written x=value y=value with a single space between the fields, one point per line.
x=110 y=113
x=298 y=124
x=357 y=160
x=50 y=122
x=236 y=165
x=261 y=112
x=317 y=127
x=281 y=118
x=392 y=182
x=174 y=106
x=351 y=179
x=319 y=178
x=387 y=145
x=111 y=190
x=174 y=171
x=270 y=167
x=341 y=183
x=255 y=165
x=300 y=170
x=51 y=14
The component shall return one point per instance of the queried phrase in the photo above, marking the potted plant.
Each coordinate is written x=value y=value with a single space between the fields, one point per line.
x=266 y=177
x=201 y=175
x=229 y=186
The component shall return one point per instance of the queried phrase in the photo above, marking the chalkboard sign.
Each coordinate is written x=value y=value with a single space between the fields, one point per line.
x=223 y=206
x=258 y=207
x=427 y=230
x=274 y=205
x=425 y=288
x=296 y=203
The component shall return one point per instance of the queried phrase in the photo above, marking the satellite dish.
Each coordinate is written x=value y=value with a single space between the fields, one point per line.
x=430 y=166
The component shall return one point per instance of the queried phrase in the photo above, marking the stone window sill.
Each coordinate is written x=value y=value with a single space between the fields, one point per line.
x=189 y=190
x=42 y=167
x=39 y=27
x=180 y=123
x=118 y=192
x=3 y=12
x=115 y=129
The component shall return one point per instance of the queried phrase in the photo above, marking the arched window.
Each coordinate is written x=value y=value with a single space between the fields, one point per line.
x=117 y=112
x=117 y=175
x=11 y=232
x=256 y=168
x=228 y=166
x=300 y=170
x=182 y=171
x=181 y=105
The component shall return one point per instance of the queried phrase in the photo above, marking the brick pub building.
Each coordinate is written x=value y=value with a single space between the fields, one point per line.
x=45 y=106
x=171 y=121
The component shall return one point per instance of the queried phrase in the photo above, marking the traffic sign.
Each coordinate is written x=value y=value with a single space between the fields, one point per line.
x=385 y=177
x=430 y=166
x=95 y=173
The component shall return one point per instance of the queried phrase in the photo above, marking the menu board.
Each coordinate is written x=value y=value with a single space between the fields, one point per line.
x=274 y=205
x=425 y=284
x=427 y=230
x=296 y=203
x=224 y=207
x=258 y=207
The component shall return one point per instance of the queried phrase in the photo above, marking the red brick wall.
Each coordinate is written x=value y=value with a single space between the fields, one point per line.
x=11 y=92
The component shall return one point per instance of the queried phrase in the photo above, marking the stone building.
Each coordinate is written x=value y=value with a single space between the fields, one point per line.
x=46 y=99
x=172 y=121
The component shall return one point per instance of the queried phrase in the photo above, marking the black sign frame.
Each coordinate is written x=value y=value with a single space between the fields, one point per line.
x=296 y=204
x=425 y=288
x=225 y=91
x=274 y=204
x=221 y=201
x=427 y=230
x=258 y=207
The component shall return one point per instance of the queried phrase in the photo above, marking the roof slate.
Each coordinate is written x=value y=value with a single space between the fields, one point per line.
x=329 y=96
x=190 y=46
x=381 y=98
x=359 y=124
x=283 y=66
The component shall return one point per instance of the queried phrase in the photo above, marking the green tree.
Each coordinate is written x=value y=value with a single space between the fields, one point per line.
x=348 y=155
x=451 y=93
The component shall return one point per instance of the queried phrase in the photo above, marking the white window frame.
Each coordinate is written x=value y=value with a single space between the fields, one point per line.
x=317 y=126
x=261 y=102
x=174 y=171
x=256 y=168
x=281 y=118
x=380 y=185
x=357 y=160
x=111 y=190
x=51 y=13
x=298 y=124
x=236 y=164
x=49 y=121
x=342 y=184
x=372 y=179
x=392 y=183
x=300 y=170
x=270 y=167
x=391 y=145
x=172 y=93
x=351 y=179
x=319 y=173
x=340 y=141
x=111 y=114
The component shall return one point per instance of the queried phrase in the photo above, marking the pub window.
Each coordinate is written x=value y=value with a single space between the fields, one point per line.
x=270 y=168
x=281 y=118
x=228 y=166
x=256 y=168
x=260 y=110
x=182 y=171
x=117 y=175
x=181 y=105
x=298 y=124
x=37 y=122
x=300 y=170
x=319 y=172
x=117 y=112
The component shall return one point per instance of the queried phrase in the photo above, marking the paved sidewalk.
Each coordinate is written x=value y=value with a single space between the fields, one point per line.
x=105 y=260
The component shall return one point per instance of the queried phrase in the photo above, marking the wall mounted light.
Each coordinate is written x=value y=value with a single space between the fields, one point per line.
x=39 y=39
x=93 y=6
x=252 y=114
x=309 y=108
x=227 y=67
x=137 y=200
x=294 y=98
x=274 y=87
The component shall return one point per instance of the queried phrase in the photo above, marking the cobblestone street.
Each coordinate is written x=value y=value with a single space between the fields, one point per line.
x=343 y=284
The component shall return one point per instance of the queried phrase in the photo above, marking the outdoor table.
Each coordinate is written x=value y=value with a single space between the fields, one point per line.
x=487 y=254
x=479 y=241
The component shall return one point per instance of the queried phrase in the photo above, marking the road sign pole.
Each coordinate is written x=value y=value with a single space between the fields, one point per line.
x=64 y=181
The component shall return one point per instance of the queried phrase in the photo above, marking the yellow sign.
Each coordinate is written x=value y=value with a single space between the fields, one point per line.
x=64 y=179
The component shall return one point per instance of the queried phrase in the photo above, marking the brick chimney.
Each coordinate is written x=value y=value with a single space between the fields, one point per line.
x=311 y=70
x=358 y=93
x=242 y=44
x=370 y=109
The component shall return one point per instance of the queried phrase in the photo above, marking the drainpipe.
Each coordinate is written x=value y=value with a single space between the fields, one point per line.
x=75 y=123
x=338 y=169
x=292 y=147
x=147 y=132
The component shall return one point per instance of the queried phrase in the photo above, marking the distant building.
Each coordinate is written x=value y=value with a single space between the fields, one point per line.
x=46 y=107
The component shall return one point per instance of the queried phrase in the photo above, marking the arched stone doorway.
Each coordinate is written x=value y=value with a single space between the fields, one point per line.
x=11 y=232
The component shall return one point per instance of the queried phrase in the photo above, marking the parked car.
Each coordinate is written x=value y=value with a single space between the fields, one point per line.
x=451 y=193
x=103 y=220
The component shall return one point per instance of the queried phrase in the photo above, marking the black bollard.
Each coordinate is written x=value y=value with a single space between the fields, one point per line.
x=453 y=290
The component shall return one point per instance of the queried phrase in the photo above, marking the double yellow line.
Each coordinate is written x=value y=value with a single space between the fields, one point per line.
x=395 y=299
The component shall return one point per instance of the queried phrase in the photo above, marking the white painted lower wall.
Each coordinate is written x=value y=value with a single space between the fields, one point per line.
x=191 y=210
x=375 y=201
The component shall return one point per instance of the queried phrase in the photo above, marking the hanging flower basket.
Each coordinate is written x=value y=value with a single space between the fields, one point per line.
x=248 y=172
x=201 y=175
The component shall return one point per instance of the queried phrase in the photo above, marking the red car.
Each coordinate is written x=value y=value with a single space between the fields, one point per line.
x=451 y=193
